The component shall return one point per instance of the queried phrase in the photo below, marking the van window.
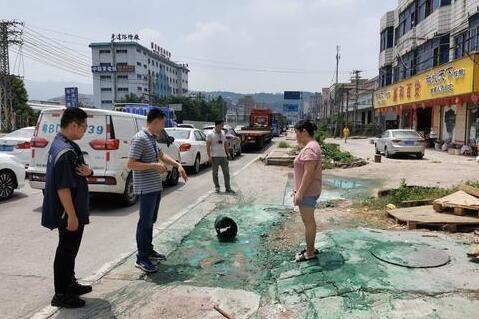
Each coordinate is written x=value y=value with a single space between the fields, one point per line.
x=124 y=127
x=50 y=125
x=141 y=123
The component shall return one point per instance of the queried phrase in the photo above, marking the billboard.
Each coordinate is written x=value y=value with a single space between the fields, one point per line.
x=292 y=95
x=290 y=108
x=71 y=97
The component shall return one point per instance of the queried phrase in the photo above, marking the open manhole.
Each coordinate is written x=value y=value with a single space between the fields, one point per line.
x=410 y=255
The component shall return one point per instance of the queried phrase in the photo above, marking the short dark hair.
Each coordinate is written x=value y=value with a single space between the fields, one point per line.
x=307 y=126
x=218 y=122
x=73 y=115
x=154 y=114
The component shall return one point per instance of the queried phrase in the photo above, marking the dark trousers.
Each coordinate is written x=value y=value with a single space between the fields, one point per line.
x=149 y=205
x=216 y=163
x=64 y=264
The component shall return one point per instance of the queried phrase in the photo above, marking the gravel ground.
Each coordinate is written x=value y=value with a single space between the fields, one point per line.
x=435 y=169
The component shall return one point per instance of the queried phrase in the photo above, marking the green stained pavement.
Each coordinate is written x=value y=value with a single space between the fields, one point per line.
x=251 y=279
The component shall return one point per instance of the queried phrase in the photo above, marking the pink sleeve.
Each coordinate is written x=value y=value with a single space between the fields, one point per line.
x=308 y=155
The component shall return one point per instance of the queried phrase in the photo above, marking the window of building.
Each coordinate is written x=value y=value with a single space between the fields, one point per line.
x=461 y=45
x=121 y=51
x=106 y=102
x=122 y=89
x=106 y=89
x=144 y=65
x=138 y=50
x=105 y=77
x=138 y=63
x=105 y=51
x=139 y=88
x=138 y=76
x=122 y=77
x=148 y=61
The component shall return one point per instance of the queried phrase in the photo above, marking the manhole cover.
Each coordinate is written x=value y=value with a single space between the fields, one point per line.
x=410 y=255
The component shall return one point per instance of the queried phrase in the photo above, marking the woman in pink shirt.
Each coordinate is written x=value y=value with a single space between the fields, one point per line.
x=308 y=184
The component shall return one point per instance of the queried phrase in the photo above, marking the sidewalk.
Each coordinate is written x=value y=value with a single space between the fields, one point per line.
x=435 y=169
x=256 y=277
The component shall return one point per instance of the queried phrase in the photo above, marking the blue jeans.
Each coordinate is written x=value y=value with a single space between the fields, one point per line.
x=309 y=201
x=149 y=205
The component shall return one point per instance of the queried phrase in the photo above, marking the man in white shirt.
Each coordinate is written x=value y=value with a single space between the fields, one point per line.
x=217 y=148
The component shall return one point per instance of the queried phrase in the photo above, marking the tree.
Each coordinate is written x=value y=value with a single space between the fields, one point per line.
x=131 y=98
x=24 y=115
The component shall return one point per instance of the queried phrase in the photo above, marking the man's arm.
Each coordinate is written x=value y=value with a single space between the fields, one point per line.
x=208 y=148
x=65 y=196
x=136 y=165
x=168 y=160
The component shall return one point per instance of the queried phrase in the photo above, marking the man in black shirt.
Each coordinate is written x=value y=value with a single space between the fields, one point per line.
x=66 y=205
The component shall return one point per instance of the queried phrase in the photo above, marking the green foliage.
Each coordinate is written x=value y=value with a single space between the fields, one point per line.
x=474 y=183
x=283 y=144
x=332 y=152
x=24 y=115
x=405 y=193
x=131 y=98
x=197 y=108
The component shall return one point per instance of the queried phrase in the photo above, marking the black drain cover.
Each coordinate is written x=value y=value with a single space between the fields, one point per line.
x=410 y=255
x=226 y=228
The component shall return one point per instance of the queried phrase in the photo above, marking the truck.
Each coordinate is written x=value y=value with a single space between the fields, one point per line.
x=143 y=109
x=259 y=132
x=279 y=123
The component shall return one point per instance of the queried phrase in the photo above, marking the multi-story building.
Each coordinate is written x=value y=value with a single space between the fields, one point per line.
x=429 y=69
x=124 y=68
x=315 y=101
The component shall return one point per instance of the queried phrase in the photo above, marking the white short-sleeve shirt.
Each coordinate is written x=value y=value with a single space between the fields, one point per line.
x=218 y=141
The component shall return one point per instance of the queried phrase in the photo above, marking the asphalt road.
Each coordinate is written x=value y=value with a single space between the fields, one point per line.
x=27 y=250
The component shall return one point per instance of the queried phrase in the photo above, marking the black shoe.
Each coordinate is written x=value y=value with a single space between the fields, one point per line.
x=230 y=191
x=67 y=301
x=78 y=289
x=217 y=189
x=155 y=256
x=146 y=266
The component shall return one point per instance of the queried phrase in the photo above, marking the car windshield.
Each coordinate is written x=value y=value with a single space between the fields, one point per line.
x=179 y=134
x=405 y=134
x=22 y=133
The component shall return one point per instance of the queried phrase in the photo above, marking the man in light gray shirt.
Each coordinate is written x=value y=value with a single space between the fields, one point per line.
x=217 y=148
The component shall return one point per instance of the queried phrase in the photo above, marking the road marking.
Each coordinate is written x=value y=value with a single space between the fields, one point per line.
x=49 y=311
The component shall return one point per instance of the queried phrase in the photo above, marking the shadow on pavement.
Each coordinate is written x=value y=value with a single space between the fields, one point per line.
x=170 y=274
x=95 y=308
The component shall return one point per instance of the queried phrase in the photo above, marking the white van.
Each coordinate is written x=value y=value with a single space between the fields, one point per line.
x=105 y=148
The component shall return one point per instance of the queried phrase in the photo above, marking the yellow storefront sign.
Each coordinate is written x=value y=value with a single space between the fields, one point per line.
x=452 y=79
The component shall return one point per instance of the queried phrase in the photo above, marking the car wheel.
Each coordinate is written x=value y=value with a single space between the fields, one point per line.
x=197 y=165
x=174 y=177
x=420 y=155
x=129 y=196
x=376 y=149
x=238 y=151
x=386 y=152
x=7 y=184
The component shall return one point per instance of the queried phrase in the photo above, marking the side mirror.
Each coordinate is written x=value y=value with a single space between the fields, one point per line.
x=169 y=140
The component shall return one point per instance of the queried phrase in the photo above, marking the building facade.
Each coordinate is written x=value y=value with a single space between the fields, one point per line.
x=124 y=68
x=315 y=102
x=429 y=69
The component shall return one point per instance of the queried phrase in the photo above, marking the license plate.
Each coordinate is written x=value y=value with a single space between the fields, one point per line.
x=409 y=142
x=6 y=148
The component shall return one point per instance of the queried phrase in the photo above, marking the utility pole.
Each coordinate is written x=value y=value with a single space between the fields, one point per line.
x=9 y=34
x=338 y=57
x=356 y=78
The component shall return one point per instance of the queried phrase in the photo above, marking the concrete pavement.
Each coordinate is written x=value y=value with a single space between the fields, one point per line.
x=26 y=269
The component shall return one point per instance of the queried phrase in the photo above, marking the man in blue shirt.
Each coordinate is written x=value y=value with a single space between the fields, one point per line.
x=66 y=205
x=146 y=159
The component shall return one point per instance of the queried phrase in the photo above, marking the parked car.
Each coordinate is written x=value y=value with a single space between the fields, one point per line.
x=17 y=143
x=12 y=175
x=393 y=142
x=105 y=147
x=234 y=140
x=192 y=146
x=186 y=125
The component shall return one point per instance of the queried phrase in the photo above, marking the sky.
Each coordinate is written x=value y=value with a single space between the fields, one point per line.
x=244 y=46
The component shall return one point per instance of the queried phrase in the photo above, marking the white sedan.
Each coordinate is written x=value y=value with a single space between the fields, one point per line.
x=17 y=143
x=12 y=175
x=192 y=145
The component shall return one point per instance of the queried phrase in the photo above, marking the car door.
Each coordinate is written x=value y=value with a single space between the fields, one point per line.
x=204 y=152
x=198 y=141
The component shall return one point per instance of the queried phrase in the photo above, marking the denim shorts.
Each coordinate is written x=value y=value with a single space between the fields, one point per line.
x=309 y=201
